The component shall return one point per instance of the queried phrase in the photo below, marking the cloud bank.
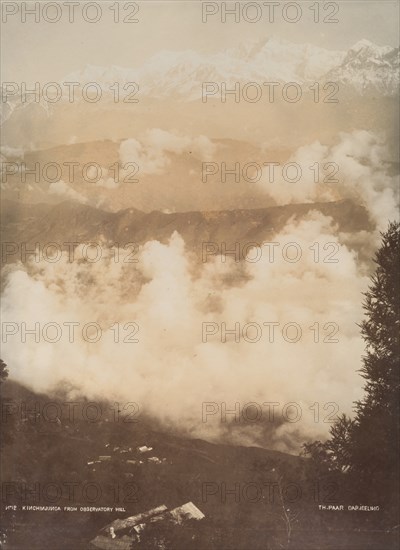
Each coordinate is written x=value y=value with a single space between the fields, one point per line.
x=163 y=302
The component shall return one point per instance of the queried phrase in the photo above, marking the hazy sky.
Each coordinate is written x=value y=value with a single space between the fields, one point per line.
x=46 y=51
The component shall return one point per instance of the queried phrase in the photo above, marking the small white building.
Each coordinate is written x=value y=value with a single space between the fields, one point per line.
x=154 y=459
x=144 y=449
x=104 y=458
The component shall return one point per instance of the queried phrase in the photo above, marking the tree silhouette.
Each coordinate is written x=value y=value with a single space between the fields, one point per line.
x=368 y=446
x=3 y=371
x=7 y=421
x=375 y=435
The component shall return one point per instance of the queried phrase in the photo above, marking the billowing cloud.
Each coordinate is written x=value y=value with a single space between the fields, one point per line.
x=354 y=168
x=204 y=330
x=151 y=152
x=63 y=189
x=164 y=300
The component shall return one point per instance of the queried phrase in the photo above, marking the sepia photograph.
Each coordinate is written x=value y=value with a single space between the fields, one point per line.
x=200 y=275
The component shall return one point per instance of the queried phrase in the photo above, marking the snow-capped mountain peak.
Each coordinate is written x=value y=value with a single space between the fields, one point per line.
x=373 y=49
x=364 y=67
x=369 y=68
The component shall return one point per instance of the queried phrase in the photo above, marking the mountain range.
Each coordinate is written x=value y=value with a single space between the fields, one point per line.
x=365 y=66
x=74 y=222
x=170 y=96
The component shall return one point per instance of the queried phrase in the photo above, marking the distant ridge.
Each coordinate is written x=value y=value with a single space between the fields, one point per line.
x=69 y=222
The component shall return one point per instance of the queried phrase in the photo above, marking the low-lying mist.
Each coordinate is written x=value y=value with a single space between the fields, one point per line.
x=163 y=341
